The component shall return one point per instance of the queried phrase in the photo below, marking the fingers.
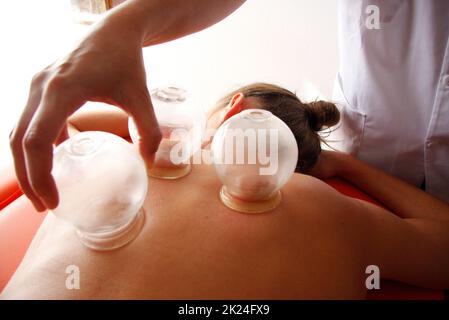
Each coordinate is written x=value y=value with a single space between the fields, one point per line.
x=141 y=109
x=47 y=124
x=16 y=139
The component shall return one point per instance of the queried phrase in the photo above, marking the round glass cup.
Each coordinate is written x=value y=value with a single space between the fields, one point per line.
x=255 y=154
x=102 y=185
x=182 y=126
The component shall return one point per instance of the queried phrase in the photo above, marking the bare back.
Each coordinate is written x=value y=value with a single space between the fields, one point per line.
x=311 y=246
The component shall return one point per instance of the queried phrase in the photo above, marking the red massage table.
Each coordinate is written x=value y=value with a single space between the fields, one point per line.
x=19 y=223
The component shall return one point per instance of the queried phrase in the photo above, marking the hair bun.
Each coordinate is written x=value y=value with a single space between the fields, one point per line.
x=322 y=114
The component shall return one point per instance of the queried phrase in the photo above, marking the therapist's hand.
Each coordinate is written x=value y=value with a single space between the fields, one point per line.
x=107 y=67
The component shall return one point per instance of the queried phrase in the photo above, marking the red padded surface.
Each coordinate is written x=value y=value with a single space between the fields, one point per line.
x=9 y=188
x=19 y=223
x=349 y=190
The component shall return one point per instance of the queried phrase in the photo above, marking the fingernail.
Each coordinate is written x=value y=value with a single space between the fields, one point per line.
x=149 y=161
x=50 y=203
x=38 y=207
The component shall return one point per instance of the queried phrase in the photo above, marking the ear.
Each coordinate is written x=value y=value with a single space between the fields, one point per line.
x=235 y=106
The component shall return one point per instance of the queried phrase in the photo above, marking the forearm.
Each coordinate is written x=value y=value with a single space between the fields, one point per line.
x=158 y=21
x=405 y=200
x=111 y=120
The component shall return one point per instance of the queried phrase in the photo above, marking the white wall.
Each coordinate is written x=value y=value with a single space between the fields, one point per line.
x=292 y=43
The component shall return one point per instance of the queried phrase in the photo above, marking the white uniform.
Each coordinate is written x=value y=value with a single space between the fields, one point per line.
x=393 y=88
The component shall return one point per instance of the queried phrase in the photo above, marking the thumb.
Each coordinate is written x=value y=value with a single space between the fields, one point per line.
x=141 y=110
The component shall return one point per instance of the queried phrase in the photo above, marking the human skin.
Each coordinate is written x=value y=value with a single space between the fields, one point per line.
x=316 y=244
x=192 y=248
x=106 y=66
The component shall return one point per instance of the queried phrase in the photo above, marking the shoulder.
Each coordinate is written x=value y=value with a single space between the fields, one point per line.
x=343 y=217
x=315 y=189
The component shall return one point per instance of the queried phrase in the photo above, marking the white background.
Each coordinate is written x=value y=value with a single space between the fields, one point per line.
x=292 y=43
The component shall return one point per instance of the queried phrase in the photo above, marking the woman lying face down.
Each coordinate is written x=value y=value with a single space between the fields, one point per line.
x=305 y=120
x=317 y=243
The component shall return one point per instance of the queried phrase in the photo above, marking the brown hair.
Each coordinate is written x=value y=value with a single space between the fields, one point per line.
x=305 y=120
